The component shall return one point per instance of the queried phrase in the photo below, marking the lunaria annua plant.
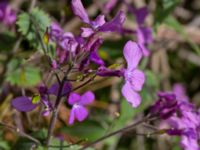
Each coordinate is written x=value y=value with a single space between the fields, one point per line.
x=60 y=81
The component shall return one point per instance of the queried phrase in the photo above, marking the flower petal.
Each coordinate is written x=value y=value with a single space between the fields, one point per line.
x=137 y=80
x=23 y=103
x=180 y=92
x=94 y=57
x=145 y=51
x=71 y=117
x=131 y=96
x=144 y=35
x=87 y=98
x=81 y=113
x=141 y=14
x=132 y=54
x=86 y=32
x=74 y=98
x=79 y=10
x=115 y=25
x=99 y=21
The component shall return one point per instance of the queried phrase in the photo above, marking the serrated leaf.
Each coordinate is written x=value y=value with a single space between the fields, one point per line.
x=28 y=28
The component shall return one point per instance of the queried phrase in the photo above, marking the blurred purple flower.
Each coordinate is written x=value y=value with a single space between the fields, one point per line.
x=180 y=115
x=66 y=44
x=7 y=15
x=55 y=31
x=180 y=92
x=99 y=24
x=94 y=56
x=165 y=106
x=134 y=78
x=144 y=37
x=78 y=104
x=144 y=34
x=140 y=14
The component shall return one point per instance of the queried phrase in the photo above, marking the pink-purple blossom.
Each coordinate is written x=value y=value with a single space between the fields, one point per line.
x=134 y=78
x=143 y=33
x=79 y=102
x=182 y=118
x=99 y=24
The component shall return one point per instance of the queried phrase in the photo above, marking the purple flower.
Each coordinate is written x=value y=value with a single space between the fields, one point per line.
x=166 y=105
x=144 y=34
x=181 y=116
x=90 y=48
x=140 y=14
x=23 y=103
x=78 y=104
x=189 y=143
x=115 y=25
x=99 y=24
x=66 y=44
x=180 y=92
x=144 y=37
x=134 y=78
x=7 y=15
x=55 y=31
x=94 y=56
x=79 y=10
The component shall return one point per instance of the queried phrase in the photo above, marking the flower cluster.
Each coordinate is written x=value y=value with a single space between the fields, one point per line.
x=180 y=115
x=80 y=54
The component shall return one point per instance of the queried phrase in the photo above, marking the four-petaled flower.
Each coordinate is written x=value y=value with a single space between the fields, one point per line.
x=78 y=104
x=99 y=24
x=134 y=78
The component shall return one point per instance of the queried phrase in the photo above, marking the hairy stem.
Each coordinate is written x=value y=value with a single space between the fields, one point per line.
x=55 y=111
x=56 y=107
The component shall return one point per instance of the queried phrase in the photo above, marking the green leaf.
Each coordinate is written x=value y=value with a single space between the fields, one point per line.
x=89 y=130
x=40 y=134
x=24 y=144
x=4 y=145
x=29 y=29
x=151 y=79
x=7 y=41
x=163 y=10
x=24 y=76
